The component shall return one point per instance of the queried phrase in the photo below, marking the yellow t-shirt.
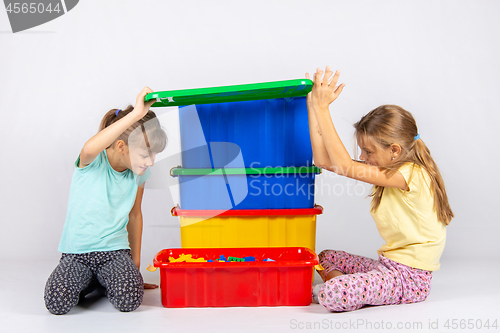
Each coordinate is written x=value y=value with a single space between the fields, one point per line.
x=408 y=223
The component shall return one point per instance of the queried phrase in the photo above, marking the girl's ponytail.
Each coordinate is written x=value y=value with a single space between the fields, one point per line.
x=111 y=116
x=422 y=156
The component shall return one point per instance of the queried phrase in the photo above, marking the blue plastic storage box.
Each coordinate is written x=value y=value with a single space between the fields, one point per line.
x=261 y=133
x=250 y=188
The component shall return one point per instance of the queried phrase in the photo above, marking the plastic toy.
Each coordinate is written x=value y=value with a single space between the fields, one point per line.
x=186 y=258
x=151 y=268
x=235 y=259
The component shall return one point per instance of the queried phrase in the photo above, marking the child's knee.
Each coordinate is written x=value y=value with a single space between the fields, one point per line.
x=57 y=309
x=59 y=299
x=127 y=295
x=336 y=296
x=62 y=289
x=331 y=260
x=324 y=253
x=129 y=306
x=128 y=300
x=330 y=254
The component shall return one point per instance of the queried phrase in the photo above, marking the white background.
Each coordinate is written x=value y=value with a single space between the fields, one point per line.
x=437 y=59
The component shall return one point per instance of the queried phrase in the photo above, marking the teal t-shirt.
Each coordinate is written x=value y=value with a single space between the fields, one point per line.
x=100 y=201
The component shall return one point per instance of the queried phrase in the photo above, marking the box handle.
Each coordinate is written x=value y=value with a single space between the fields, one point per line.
x=172 y=210
x=176 y=167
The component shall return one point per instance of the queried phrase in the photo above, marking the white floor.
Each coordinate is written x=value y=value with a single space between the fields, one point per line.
x=463 y=295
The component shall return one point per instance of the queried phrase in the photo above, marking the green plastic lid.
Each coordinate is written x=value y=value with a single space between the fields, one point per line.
x=178 y=171
x=237 y=93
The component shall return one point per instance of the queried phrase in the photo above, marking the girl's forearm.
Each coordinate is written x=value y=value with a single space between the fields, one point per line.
x=107 y=136
x=340 y=160
x=320 y=154
x=134 y=229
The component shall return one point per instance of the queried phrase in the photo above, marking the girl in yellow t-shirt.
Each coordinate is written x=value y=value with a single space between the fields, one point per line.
x=409 y=204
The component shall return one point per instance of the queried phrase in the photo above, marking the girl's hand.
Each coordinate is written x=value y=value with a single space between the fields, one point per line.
x=141 y=108
x=150 y=286
x=324 y=91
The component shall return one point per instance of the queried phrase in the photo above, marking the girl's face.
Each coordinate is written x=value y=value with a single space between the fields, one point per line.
x=374 y=154
x=140 y=159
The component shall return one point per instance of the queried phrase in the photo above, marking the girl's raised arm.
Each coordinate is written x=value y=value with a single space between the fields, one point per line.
x=320 y=155
x=103 y=139
x=324 y=92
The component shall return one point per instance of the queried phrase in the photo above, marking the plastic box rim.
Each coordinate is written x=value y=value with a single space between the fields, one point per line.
x=316 y=210
x=235 y=264
x=180 y=171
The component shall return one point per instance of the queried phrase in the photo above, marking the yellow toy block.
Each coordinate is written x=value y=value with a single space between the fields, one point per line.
x=186 y=258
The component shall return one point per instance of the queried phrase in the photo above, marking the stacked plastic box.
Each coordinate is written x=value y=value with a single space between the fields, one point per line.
x=286 y=281
x=247 y=178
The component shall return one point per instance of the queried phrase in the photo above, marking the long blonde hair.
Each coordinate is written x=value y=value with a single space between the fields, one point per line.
x=391 y=124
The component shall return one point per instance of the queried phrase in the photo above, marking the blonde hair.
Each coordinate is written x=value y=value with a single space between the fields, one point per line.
x=154 y=136
x=391 y=124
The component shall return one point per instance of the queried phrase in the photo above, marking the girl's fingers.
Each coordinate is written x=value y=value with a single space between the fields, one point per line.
x=146 y=91
x=307 y=76
x=335 y=79
x=150 y=286
x=328 y=74
x=339 y=89
x=317 y=77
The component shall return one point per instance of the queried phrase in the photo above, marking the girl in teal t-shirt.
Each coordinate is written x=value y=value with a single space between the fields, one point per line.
x=101 y=239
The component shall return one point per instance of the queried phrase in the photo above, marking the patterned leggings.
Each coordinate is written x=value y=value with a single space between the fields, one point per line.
x=369 y=282
x=76 y=274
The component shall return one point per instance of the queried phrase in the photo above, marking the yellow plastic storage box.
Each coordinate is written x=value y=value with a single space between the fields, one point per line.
x=248 y=228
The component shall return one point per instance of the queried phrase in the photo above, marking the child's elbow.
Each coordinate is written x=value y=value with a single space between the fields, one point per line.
x=87 y=152
x=326 y=167
x=135 y=215
x=339 y=170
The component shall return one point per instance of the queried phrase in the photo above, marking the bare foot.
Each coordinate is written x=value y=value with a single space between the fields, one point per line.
x=333 y=274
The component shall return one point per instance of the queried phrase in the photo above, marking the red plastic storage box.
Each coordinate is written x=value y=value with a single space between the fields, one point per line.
x=286 y=281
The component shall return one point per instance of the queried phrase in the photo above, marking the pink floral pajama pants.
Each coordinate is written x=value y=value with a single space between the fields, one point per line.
x=369 y=282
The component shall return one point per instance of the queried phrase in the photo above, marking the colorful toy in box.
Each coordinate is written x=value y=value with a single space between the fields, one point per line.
x=189 y=258
x=186 y=258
